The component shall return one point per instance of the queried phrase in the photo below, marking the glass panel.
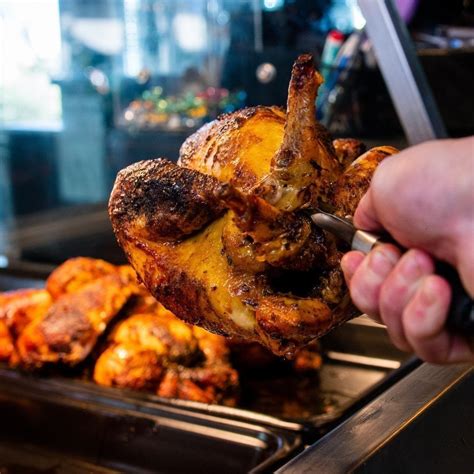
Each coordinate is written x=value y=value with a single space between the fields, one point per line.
x=88 y=87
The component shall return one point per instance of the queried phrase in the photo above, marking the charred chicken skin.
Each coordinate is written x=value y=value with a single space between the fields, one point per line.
x=223 y=238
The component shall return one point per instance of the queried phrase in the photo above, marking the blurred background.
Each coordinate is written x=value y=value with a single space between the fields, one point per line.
x=88 y=87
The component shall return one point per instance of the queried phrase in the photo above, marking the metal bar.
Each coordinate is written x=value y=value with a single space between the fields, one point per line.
x=363 y=360
x=401 y=69
x=257 y=26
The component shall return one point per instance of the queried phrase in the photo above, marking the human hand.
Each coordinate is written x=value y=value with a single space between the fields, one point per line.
x=424 y=197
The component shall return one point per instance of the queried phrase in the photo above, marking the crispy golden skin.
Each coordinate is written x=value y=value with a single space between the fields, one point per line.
x=18 y=308
x=68 y=331
x=354 y=182
x=129 y=365
x=260 y=271
x=161 y=332
x=75 y=273
x=347 y=150
x=158 y=352
x=215 y=150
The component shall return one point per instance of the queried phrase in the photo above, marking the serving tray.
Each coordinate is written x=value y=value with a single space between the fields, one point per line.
x=54 y=426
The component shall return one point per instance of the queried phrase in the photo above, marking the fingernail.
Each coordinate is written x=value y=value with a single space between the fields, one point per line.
x=429 y=293
x=381 y=261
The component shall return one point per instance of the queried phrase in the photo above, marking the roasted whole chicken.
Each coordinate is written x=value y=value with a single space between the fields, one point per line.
x=223 y=238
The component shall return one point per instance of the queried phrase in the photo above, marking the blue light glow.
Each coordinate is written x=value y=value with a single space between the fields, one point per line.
x=272 y=5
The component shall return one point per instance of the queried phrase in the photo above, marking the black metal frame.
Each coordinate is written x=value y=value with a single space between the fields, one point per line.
x=401 y=69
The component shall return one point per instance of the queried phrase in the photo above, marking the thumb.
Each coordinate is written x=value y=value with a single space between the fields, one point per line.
x=365 y=216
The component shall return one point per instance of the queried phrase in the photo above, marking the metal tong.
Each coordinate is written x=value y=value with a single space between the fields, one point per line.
x=461 y=310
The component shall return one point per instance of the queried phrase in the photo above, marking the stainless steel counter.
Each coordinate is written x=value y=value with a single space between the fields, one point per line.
x=424 y=423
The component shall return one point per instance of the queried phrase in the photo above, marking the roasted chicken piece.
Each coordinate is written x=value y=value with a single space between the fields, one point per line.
x=158 y=352
x=129 y=366
x=7 y=348
x=19 y=307
x=75 y=273
x=161 y=332
x=251 y=356
x=223 y=239
x=69 y=329
x=207 y=384
x=37 y=316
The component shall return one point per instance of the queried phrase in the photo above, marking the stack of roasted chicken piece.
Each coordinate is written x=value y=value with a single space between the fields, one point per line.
x=148 y=348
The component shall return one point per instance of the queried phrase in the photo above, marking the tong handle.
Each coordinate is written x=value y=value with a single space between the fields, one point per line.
x=461 y=310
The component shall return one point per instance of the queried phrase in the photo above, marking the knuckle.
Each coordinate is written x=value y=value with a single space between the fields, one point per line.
x=392 y=299
x=364 y=296
x=414 y=265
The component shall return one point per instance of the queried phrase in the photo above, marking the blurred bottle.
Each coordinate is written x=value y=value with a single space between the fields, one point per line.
x=334 y=41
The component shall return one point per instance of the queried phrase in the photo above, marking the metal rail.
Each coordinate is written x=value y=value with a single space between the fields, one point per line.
x=401 y=69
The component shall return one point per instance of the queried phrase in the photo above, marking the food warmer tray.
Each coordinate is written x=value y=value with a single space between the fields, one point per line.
x=359 y=364
x=47 y=426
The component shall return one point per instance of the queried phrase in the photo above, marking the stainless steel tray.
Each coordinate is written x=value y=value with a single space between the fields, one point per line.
x=52 y=426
